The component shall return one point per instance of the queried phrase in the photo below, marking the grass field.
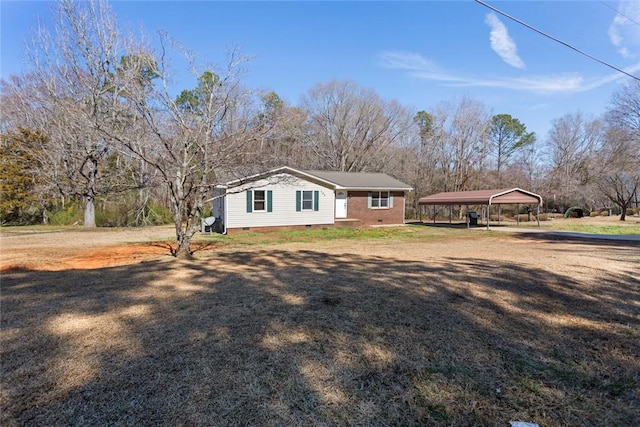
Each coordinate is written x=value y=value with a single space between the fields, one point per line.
x=398 y=326
x=596 y=225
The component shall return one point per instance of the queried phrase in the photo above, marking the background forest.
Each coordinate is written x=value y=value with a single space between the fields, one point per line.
x=97 y=133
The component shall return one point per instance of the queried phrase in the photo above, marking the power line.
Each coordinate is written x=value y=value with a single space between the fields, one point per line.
x=619 y=13
x=557 y=40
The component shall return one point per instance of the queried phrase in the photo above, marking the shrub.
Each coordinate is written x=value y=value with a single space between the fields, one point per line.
x=574 y=212
x=126 y=213
x=594 y=213
x=159 y=214
x=544 y=217
x=604 y=213
x=71 y=215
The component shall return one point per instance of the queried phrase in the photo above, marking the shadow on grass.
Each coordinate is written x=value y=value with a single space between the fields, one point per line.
x=273 y=337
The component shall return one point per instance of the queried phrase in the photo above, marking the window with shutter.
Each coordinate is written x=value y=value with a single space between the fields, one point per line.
x=259 y=200
x=380 y=200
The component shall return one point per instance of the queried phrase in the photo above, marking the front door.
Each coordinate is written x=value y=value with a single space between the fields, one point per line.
x=341 y=204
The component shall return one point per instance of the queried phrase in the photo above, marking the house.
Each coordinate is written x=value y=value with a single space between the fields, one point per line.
x=288 y=198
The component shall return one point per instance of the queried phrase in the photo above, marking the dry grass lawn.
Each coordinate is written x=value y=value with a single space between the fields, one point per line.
x=470 y=328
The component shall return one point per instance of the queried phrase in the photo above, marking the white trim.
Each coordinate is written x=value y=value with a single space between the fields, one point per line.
x=537 y=196
x=379 y=198
x=253 y=202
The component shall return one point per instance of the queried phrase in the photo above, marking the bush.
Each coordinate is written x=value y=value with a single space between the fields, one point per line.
x=69 y=216
x=574 y=212
x=522 y=218
x=594 y=213
x=160 y=215
x=604 y=213
x=544 y=217
x=125 y=212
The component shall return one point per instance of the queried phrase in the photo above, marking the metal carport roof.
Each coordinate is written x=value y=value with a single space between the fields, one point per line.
x=482 y=197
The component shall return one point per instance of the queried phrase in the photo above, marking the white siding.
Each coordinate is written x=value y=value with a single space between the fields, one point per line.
x=284 y=205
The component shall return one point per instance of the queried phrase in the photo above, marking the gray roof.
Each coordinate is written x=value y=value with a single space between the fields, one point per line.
x=360 y=180
x=335 y=180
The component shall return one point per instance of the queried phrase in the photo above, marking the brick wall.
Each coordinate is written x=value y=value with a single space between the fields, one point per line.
x=357 y=208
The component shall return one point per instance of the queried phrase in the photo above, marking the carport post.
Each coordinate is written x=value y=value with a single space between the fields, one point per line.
x=538 y=214
x=450 y=213
x=467 y=216
x=517 y=214
x=488 y=214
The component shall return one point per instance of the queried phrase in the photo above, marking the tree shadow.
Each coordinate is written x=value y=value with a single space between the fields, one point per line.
x=273 y=337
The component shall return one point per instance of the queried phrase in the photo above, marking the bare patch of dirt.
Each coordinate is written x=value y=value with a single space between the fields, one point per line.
x=81 y=249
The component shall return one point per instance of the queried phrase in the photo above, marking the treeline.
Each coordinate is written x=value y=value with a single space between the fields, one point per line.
x=97 y=124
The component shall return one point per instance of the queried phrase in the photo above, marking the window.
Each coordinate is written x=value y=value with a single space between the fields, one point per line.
x=259 y=201
x=307 y=200
x=380 y=200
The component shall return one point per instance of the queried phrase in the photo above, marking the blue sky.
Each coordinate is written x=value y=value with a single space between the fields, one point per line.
x=418 y=53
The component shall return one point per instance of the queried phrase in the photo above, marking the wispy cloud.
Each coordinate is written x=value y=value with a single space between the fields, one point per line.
x=405 y=61
x=418 y=67
x=624 y=31
x=502 y=43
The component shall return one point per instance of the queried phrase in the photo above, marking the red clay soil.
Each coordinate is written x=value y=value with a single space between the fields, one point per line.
x=104 y=257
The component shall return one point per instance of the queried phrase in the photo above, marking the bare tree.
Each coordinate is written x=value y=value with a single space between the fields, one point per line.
x=193 y=141
x=351 y=128
x=618 y=160
x=461 y=138
x=572 y=141
x=416 y=160
x=282 y=130
x=625 y=108
x=71 y=97
x=618 y=168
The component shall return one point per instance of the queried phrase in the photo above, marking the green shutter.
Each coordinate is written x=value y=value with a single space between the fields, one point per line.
x=269 y=201
x=298 y=201
x=249 y=201
x=316 y=200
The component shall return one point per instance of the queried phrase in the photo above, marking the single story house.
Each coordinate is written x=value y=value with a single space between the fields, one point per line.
x=288 y=198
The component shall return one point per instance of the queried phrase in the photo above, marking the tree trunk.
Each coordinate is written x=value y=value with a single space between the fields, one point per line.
x=183 y=251
x=89 y=212
x=183 y=237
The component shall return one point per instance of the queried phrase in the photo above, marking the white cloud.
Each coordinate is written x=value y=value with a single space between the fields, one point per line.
x=502 y=43
x=536 y=84
x=421 y=68
x=405 y=61
x=624 y=31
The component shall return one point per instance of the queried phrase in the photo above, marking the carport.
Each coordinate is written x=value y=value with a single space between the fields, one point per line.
x=485 y=198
